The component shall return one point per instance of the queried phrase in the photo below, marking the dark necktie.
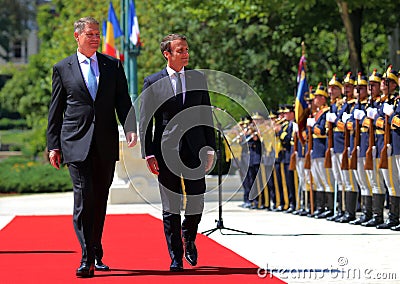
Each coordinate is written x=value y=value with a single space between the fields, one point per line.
x=179 y=93
x=92 y=81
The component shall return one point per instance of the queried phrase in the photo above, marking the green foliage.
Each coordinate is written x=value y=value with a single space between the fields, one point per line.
x=257 y=41
x=20 y=175
x=6 y=123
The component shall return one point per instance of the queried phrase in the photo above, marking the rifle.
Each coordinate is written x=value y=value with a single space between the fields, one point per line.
x=383 y=163
x=369 y=163
x=328 y=156
x=307 y=158
x=292 y=164
x=353 y=159
x=345 y=156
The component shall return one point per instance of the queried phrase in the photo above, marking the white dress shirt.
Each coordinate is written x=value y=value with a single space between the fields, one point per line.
x=85 y=65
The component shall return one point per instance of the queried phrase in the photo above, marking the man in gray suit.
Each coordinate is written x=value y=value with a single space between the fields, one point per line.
x=88 y=88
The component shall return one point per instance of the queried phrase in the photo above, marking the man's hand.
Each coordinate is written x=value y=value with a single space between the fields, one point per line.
x=152 y=165
x=55 y=158
x=131 y=138
x=210 y=162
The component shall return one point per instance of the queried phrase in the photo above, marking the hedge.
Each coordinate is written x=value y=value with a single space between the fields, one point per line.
x=19 y=175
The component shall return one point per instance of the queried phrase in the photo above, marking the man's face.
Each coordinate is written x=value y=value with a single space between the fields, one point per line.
x=348 y=90
x=319 y=100
x=88 y=40
x=375 y=89
x=179 y=54
x=334 y=92
x=392 y=86
x=289 y=115
x=363 y=92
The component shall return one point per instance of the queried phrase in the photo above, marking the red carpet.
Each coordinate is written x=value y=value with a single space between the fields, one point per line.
x=44 y=249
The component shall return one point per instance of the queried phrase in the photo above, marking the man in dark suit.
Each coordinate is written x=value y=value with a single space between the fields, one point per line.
x=87 y=89
x=182 y=144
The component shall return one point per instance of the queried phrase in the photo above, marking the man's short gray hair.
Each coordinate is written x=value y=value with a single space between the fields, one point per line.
x=80 y=24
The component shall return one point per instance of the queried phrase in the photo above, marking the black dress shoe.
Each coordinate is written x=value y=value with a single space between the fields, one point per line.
x=176 y=265
x=85 y=270
x=101 y=266
x=191 y=252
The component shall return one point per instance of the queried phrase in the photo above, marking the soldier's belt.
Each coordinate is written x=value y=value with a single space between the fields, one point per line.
x=337 y=130
x=318 y=136
x=379 y=132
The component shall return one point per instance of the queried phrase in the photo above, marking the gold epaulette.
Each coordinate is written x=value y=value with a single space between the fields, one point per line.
x=366 y=123
x=340 y=126
x=349 y=125
x=380 y=123
x=396 y=122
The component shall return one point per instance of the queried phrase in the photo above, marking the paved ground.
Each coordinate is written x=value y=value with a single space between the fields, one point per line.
x=295 y=249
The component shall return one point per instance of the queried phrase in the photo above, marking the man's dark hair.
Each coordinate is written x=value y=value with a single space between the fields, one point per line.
x=165 y=44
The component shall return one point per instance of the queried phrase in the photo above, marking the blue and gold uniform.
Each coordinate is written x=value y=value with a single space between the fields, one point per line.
x=323 y=177
x=351 y=188
x=390 y=171
x=335 y=91
x=355 y=122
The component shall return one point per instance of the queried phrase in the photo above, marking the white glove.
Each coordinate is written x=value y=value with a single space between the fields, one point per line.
x=388 y=109
x=345 y=116
x=331 y=116
x=295 y=127
x=310 y=121
x=372 y=112
x=359 y=114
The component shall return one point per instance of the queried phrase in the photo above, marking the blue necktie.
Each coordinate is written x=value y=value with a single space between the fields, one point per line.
x=92 y=81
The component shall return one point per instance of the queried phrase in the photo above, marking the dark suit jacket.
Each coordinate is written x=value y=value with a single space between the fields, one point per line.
x=158 y=103
x=76 y=121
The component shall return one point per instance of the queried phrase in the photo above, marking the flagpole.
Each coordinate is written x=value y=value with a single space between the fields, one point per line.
x=130 y=52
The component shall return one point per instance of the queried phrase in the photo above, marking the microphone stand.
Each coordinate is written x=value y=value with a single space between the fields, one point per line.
x=220 y=223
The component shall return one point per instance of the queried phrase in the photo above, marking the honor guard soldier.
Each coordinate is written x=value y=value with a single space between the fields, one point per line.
x=386 y=150
x=286 y=136
x=259 y=127
x=395 y=123
x=351 y=189
x=335 y=92
x=254 y=159
x=371 y=163
x=323 y=177
x=360 y=146
x=306 y=186
x=244 y=160
x=280 y=185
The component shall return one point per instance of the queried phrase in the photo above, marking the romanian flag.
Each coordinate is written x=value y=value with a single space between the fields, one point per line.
x=300 y=110
x=111 y=31
x=133 y=25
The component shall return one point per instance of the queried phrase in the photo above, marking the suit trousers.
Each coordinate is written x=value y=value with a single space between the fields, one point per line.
x=171 y=190
x=91 y=180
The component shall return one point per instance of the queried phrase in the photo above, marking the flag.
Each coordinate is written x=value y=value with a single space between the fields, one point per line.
x=301 y=109
x=111 y=31
x=133 y=25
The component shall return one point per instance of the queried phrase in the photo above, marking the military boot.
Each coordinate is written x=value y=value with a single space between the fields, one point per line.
x=393 y=219
x=378 y=201
x=366 y=207
x=351 y=205
x=339 y=209
x=319 y=203
x=328 y=208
